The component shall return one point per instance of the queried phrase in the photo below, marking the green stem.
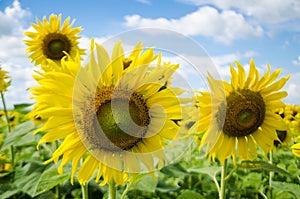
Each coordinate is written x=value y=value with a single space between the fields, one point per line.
x=271 y=173
x=9 y=128
x=126 y=190
x=112 y=189
x=222 y=192
x=57 y=190
x=84 y=191
x=5 y=111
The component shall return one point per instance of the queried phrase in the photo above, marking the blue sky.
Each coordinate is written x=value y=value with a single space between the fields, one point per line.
x=227 y=30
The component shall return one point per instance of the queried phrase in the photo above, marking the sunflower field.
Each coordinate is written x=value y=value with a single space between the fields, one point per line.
x=116 y=126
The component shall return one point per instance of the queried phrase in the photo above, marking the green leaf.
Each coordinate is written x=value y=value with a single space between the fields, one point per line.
x=175 y=170
x=35 y=178
x=49 y=179
x=47 y=195
x=189 y=194
x=27 y=177
x=20 y=136
x=21 y=108
x=147 y=184
x=7 y=188
x=261 y=165
x=287 y=187
x=164 y=188
x=253 y=180
x=212 y=171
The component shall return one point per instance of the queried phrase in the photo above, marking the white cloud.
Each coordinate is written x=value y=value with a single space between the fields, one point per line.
x=12 y=57
x=296 y=62
x=266 y=11
x=224 y=26
x=148 y=2
x=12 y=18
x=292 y=87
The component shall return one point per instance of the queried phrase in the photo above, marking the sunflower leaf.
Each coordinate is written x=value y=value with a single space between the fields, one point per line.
x=49 y=179
x=287 y=187
x=212 y=171
x=257 y=165
x=189 y=194
x=22 y=108
x=147 y=184
x=21 y=135
x=35 y=178
x=175 y=170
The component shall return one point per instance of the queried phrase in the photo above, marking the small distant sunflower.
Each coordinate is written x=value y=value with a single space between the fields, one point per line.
x=3 y=80
x=296 y=148
x=292 y=118
x=113 y=114
x=51 y=41
x=285 y=136
x=243 y=115
x=5 y=164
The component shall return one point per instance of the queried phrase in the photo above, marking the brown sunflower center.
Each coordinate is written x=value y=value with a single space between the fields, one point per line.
x=121 y=121
x=126 y=63
x=55 y=44
x=281 y=135
x=245 y=112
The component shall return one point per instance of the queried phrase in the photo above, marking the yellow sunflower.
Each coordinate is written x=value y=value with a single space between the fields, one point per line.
x=285 y=136
x=238 y=115
x=115 y=113
x=51 y=41
x=5 y=164
x=291 y=116
x=296 y=147
x=3 y=80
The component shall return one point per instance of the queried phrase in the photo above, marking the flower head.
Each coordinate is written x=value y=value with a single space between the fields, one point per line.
x=51 y=41
x=114 y=113
x=241 y=113
x=3 y=80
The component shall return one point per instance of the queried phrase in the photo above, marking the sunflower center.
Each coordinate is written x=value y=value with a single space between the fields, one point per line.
x=126 y=63
x=121 y=121
x=245 y=112
x=55 y=44
x=281 y=135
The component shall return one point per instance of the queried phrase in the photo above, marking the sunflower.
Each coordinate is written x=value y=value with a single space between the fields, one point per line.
x=51 y=41
x=241 y=113
x=3 y=80
x=115 y=114
x=291 y=115
x=296 y=148
x=5 y=164
x=286 y=136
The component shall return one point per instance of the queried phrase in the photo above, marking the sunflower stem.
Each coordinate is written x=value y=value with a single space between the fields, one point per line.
x=271 y=173
x=222 y=192
x=112 y=189
x=84 y=190
x=9 y=128
x=5 y=111
x=128 y=186
x=57 y=191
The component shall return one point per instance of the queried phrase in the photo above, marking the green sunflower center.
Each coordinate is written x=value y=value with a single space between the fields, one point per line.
x=245 y=112
x=120 y=122
x=55 y=44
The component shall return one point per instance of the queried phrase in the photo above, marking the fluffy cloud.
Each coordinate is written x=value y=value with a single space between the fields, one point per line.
x=265 y=11
x=12 y=18
x=293 y=89
x=12 y=49
x=224 y=26
x=296 y=62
